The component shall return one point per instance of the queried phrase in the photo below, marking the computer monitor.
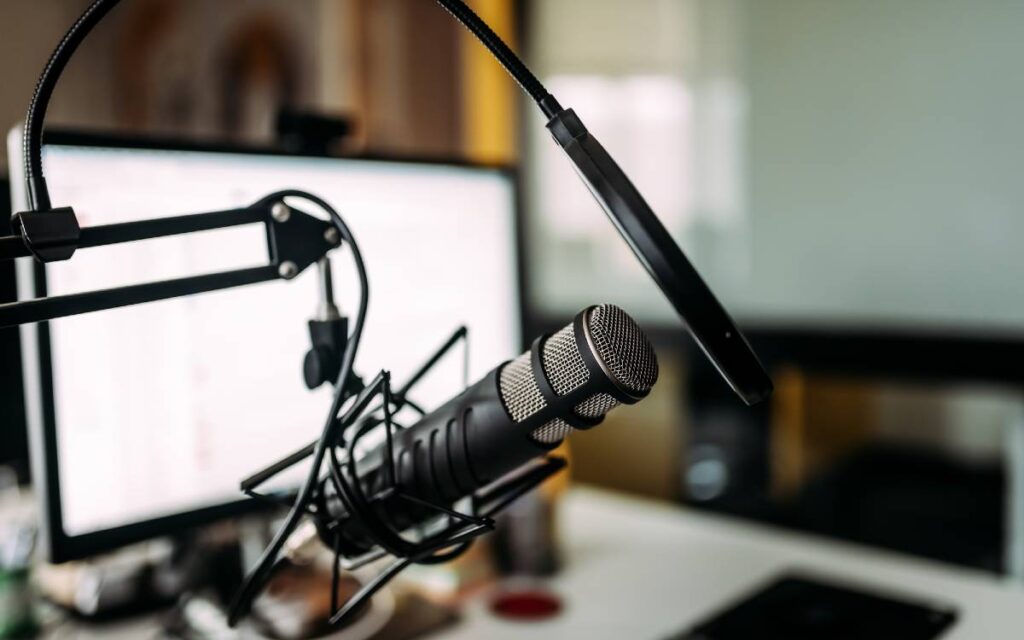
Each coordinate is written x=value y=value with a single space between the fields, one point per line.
x=144 y=419
x=13 y=436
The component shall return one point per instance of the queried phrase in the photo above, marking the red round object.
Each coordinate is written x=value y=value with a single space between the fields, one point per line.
x=527 y=605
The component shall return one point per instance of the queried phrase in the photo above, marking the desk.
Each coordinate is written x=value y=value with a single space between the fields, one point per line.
x=686 y=565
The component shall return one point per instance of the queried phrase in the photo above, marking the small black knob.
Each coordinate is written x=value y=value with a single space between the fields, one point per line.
x=318 y=367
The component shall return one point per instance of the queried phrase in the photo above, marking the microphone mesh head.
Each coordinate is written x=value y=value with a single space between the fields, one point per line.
x=623 y=348
x=596 y=406
x=562 y=362
x=552 y=431
x=618 y=344
x=519 y=390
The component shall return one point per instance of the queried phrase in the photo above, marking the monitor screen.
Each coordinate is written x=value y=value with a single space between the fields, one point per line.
x=162 y=408
x=13 y=440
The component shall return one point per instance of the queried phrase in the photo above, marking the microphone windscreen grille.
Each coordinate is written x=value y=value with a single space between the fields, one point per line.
x=519 y=390
x=618 y=344
x=596 y=406
x=623 y=348
x=563 y=365
x=553 y=431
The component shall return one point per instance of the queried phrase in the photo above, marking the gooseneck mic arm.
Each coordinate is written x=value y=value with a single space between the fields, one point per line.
x=38 y=195
x=638 y=225
x=508 y=59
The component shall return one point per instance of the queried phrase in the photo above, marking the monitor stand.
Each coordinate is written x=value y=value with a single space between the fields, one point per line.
x=138 y=581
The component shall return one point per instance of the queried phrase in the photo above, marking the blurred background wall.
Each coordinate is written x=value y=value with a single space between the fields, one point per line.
x=833 y=168
x=219 y=70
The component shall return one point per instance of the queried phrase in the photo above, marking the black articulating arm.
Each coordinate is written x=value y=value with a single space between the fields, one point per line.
x=295 y=240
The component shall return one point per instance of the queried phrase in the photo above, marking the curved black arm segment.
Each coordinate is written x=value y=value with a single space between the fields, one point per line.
x=708 y=321
x=38 y=195
x=258 y=576
x=711 y=326
x=508 y=59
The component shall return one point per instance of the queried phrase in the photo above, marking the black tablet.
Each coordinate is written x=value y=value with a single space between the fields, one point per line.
x=796 y=607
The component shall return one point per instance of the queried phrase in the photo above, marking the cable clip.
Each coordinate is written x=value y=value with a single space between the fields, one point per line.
x=51 y=235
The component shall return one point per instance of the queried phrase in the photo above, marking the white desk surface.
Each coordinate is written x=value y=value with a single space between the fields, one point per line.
x=638 y=569
x=642 y=570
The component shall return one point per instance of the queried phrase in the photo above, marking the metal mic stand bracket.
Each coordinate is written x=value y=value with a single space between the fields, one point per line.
x=460 y=529
x=295 y=240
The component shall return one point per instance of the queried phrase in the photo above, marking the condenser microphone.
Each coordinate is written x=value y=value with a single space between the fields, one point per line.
x=517 y=412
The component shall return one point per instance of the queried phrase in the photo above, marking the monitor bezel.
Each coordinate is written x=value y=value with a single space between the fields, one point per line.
x=56 y=544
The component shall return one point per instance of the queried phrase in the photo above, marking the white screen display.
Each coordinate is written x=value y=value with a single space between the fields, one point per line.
x=164 y=407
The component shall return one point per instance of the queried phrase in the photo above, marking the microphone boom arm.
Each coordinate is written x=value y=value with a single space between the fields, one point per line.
x=295 y=240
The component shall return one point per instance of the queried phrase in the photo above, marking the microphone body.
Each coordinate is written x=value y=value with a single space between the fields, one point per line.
x=436 y=460
x=517 y=412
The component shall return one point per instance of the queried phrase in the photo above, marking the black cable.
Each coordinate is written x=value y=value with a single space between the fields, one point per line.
x=38 y=195
x=385 y=537
x=259 y=575
x=508 y=59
